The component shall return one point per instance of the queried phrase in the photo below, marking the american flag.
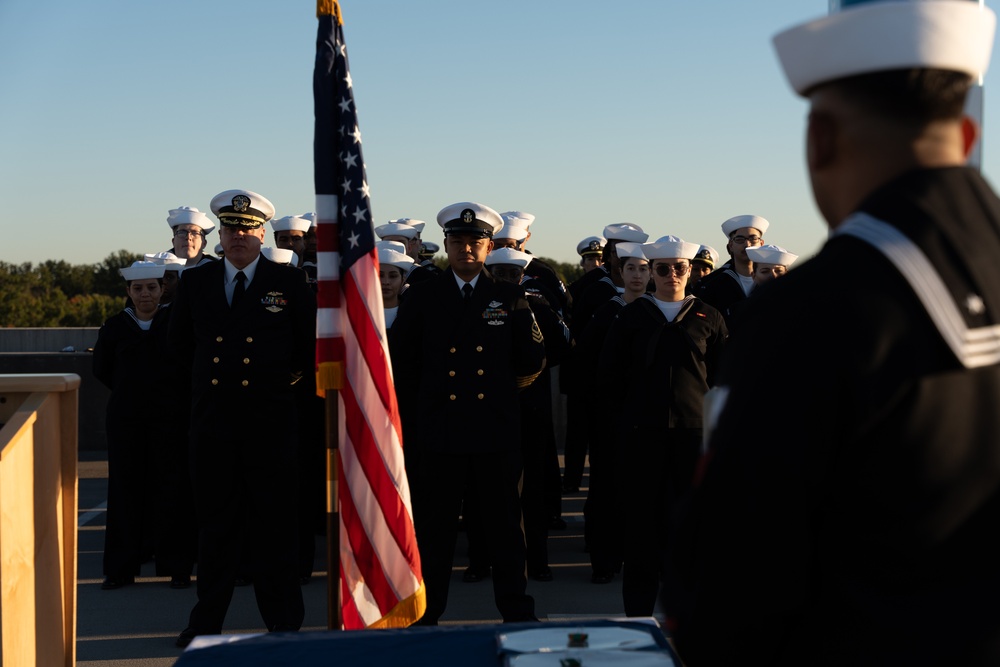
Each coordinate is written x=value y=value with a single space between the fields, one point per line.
x=380 y=580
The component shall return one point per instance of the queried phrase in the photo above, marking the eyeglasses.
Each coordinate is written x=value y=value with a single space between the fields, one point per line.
x=749 y=240
x=184 y=233
x=664 y=270
x=508 y=273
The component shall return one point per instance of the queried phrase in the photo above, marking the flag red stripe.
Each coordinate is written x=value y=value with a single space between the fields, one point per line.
x=383 y=487
x=329 y=349
x=366 y=557
x=349 y=610
x=370 y=343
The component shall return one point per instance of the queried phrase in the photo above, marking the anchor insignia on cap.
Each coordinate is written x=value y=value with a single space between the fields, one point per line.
x=241 y=203
x=468 y=216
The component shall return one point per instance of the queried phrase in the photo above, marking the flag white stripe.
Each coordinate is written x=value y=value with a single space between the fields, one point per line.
x=328 y=265
x=328 y=322
x=327 y=208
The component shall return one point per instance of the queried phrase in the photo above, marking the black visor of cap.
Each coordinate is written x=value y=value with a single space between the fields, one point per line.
x=476 y=227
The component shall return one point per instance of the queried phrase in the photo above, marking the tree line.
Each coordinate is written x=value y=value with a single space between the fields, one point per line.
x=56 y=293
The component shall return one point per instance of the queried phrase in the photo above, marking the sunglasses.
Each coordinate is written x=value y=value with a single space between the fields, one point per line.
x=664 y=270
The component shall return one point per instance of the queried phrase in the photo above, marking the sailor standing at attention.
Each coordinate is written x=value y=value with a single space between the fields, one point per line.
x=463 y=345
x=245 y=326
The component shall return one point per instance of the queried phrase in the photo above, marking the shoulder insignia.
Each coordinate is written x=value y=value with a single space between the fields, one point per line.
x=536 y=333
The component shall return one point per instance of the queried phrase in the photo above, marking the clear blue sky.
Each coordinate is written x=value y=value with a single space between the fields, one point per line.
x=672 y=115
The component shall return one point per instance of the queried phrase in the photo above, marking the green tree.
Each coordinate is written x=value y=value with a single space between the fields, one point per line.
x=91 y=310
x=29 y=299
x=107 y=280
x=567 y=272
x=72 y=279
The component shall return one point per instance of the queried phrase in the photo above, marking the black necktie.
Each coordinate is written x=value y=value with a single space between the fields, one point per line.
x=240 y=288
x=467 y=291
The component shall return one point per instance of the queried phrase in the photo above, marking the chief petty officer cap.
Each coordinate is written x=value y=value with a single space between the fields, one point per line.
x=508 y=256
x=429 y=248
x=412 y=222
x=512 y=231
x=771 y=254
x=391 y=245
x=280 y=255
x=518 y=218
x=707 y=255
x=396 y=228
x=468 y=217
x=730 y=226
x=242 y=209
x=291 y=223
x=955 y=35
x=592 y=245
x=142 y=270
x=670 y=247
x=389 y=257
x=187 y=215
x=625 y=231
x=626 y=249
x=168 y=260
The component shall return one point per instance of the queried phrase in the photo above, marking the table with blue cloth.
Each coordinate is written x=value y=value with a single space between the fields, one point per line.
x=441 y=646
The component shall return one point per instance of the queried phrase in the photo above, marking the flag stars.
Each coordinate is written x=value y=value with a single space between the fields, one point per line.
x=360 y=214
x=353 y=239
x=364 y=189
x=351 y=160
x=346 y=185
x=345 y=104
x=347 y=80
x=356 y=134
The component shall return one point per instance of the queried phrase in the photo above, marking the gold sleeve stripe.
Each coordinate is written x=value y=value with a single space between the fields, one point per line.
x=526 y=380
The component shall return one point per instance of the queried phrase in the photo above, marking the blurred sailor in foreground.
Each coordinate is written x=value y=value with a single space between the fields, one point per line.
x=854 y=521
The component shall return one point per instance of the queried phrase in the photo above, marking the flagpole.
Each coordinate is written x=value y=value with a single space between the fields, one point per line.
x=334 y=619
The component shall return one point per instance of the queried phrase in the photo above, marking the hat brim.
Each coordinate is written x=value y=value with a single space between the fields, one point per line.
x=954 y=35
